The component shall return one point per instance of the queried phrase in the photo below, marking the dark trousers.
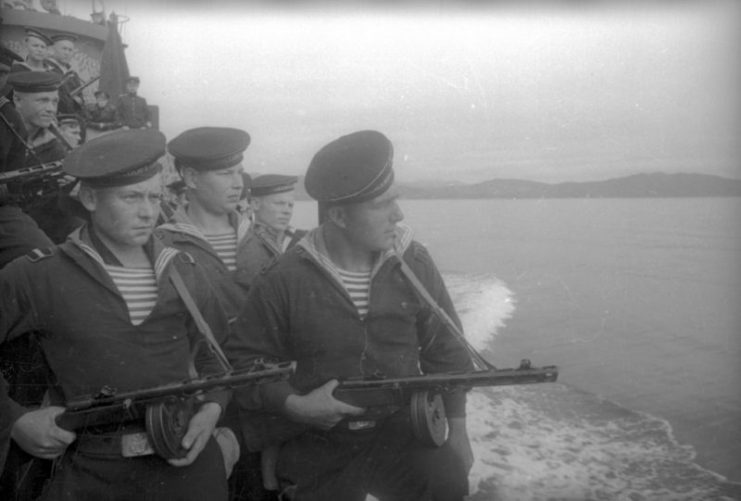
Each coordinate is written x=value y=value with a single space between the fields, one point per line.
x=245 y=484
x=19 y=234
x=88 y=477
x=386 y=462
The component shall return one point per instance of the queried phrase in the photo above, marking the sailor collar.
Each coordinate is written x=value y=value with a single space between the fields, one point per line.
x=313 y=243
x=86 y=240
x=181 y=223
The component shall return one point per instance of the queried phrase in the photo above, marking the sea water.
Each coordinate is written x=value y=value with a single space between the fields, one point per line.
x=637 y=301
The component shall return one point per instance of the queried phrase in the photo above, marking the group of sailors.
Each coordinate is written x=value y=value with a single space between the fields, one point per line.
x=90 y=286
x=54 y=53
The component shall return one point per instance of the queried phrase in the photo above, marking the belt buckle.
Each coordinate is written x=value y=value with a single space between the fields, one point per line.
x=361 y=425
x=135 y=445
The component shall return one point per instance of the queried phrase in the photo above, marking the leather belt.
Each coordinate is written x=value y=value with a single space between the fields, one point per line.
x=130 y=442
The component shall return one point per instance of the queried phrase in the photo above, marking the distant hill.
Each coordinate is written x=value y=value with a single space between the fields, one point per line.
x=636 y=186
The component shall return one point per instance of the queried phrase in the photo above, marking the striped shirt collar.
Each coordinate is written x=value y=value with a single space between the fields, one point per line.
x=159 y=254
x=314 y=244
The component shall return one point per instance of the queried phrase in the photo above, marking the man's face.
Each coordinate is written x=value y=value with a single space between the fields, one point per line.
x=63 y=50
x=217 y=191
x=38 y=108
x=132 y=87
x=71 y=133
x=275 y=210
x=371 y=226
x=101 y=100
x=125 y=216
x=37 y=49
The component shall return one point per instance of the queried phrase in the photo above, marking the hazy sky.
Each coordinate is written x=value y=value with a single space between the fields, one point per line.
x=551 y=92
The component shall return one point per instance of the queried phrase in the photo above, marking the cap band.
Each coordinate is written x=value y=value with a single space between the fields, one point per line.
x=207 y=165
x=272 y=190
x=136 y=175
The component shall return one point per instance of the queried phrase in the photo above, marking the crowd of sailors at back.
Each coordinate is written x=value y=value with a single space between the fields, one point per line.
x=54 y=53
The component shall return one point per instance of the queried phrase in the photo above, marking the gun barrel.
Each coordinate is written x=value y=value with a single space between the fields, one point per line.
x=497 y=377
x=185 y=388
x=396 y=391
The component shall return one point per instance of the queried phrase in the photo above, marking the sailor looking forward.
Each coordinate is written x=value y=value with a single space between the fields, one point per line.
x=271 y=234
x=111 y=316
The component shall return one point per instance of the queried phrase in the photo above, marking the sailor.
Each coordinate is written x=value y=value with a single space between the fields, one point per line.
x=133 y=111
x=70 y=127
x=37 y=46
x=112 y=318
x=103 y=114
x=209 y=160
x=214 y=232
x=19 y=233
x=339 y=305
x=178 y=193
x=271 y=200
x=35 y=95
x=60 y=61
x=21 y=360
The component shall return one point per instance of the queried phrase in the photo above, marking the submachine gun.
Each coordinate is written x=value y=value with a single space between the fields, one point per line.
x=166 y=410
x=423 y=393
x=420 y=395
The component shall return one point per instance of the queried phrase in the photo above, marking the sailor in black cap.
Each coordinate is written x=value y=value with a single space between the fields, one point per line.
x=60 y=61
x=103 y=114
x=70 y=127
x=209 y=159
x=178 y=191
x=209 y=227
x=62 y=51
x=271 y=198
x=19 y=233
x=340 y=306
x=36 y=44
x=112 y=318
x=36 y=97
x=133 y=111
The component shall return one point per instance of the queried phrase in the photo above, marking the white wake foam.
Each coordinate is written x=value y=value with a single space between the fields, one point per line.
x=483 y=303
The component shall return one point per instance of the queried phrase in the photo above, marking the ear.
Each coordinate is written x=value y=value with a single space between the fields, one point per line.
x=189 y=176
x=255 y=203
x=88 y=197
x=337 y=216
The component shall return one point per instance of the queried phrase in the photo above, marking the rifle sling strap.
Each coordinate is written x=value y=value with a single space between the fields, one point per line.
x=201 y=323
x=441 y=313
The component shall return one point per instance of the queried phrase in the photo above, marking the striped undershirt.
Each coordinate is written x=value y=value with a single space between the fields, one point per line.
x=225 y=245
x=358 y=286
x=138 y=286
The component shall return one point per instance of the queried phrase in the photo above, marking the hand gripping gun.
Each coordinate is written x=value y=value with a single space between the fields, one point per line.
x=422 y=395
x=166 y=410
